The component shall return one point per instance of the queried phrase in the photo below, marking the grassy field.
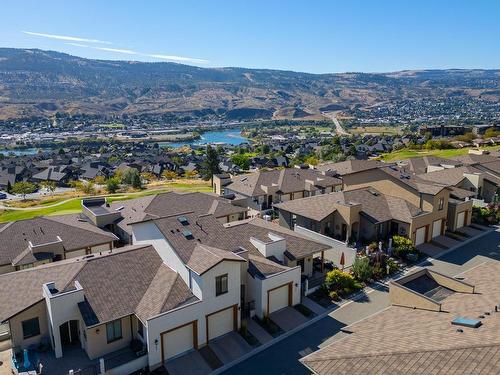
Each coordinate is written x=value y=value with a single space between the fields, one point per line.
x=73 y=205
x=406 y=154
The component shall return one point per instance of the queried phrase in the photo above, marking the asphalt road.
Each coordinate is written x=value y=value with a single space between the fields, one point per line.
x=282 y=358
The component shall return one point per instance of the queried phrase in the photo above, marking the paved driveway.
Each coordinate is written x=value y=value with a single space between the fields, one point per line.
x=282 y=358
x=288 y=318
x=191 y=363
x=229 y=347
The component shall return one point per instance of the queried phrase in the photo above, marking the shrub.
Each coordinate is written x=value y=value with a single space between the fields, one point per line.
x=112 y=185
x=378 y=272
x=334 y=296
x=341 y=282
x=362 y=269
x=393 y=266
x=403 y=246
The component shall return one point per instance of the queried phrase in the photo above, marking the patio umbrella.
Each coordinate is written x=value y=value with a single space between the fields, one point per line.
x=342 y=260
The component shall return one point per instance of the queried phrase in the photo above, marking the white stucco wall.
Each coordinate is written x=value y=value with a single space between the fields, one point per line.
x=148 y=233
x=257 y=289
x=198 y=310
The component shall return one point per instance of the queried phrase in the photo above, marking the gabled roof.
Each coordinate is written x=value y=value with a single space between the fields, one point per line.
x=287 y=180
x=132 y=280
x=16 y=236
x=204 y=258
x=413 y=181
x=350 y=166
x=377 y=207
x=171 y=203
x=471 y=159
x=419 y=165
x=449 y=176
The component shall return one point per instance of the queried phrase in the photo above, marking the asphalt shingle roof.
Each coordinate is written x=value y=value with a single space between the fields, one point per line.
x=132 y=280
x=401 y=340
x=287 y=180
x=14 y=236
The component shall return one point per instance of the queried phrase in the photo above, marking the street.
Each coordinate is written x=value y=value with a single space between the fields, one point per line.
x=282 y=358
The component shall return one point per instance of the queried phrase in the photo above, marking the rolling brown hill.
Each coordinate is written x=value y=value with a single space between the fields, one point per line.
x=40 y=83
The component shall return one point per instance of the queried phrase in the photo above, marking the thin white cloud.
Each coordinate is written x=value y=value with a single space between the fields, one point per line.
x=72 y=42
x=65 y=37
x=179 y=59
x=117 y=50
x=77 y=45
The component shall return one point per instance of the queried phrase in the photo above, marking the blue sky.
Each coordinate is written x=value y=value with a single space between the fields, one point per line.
x=310 y=35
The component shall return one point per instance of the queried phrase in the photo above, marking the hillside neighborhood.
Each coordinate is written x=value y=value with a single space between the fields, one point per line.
x=196 y=282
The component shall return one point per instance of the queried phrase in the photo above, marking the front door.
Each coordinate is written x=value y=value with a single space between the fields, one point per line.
x=344 y=232
x=394 y=228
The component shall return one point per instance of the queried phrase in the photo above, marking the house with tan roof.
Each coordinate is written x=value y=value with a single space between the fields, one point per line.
x=428 y=196
x=124 y=301
x=363 y=214
x=117 y=216
x=260 y=190
x=275 y=258
x=435 y=324
x=32 y=242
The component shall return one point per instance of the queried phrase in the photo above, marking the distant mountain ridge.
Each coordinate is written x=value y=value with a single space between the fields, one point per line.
x=39 y=83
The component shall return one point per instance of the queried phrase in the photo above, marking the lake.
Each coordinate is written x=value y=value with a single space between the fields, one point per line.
x=227 y=136
x=22 y=151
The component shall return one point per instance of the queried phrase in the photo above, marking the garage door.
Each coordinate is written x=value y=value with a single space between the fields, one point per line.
x=278 y=298
x=420 y=236
x=436 y=228
x=460 y=219
x=220 y=323
x=178 y=341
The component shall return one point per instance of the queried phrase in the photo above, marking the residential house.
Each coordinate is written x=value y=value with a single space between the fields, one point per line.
x=117 y=216
x=430 y=197
x=60 y=174
x=276 y=258
x=363 y=214
x=262 y=189
x=28 y=243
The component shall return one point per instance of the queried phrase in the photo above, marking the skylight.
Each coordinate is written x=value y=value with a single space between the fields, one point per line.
x=466 y=322
x=187 y=234
x=183 y=220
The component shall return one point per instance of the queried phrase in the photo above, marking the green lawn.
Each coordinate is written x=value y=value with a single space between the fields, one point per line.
x=406 y=154
x=74 y=205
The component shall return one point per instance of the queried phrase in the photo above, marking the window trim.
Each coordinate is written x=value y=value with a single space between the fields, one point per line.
x=221 y=278
x=37 y=331
x=115 y=337
x=441 y=204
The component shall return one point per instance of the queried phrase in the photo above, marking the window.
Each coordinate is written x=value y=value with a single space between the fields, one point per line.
x=114 y=330
x=441 y=204
x=31 y=328
x=221 y=285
